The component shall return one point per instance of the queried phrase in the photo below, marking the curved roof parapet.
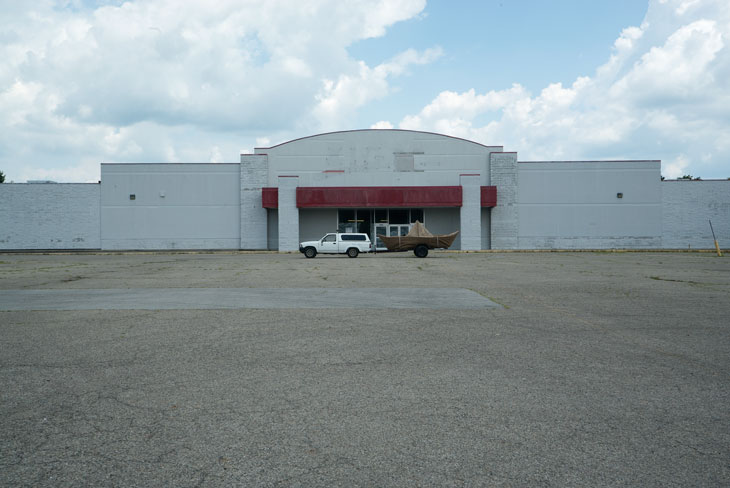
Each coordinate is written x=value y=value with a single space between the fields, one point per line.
x=260 y=150
x=598 y=161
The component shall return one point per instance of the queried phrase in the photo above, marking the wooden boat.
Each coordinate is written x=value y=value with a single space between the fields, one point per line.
x=418 y=237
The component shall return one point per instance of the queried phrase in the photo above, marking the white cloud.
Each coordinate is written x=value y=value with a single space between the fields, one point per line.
x=685 y=6
x=86 y=81
x=123 y=80
x=663 y=94
x=338 y=100
x=216 y=156
x=680 y=70
x=383 y=124
x=676 y=167
x=263 y=142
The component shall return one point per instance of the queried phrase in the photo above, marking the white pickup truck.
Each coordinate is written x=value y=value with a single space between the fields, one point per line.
x=350 y=244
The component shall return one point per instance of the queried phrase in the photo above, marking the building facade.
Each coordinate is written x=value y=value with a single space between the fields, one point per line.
x=371 y=181
x=376 y=182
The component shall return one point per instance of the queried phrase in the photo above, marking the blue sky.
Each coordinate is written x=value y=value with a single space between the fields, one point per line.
x=493 y=44
x=90 y=81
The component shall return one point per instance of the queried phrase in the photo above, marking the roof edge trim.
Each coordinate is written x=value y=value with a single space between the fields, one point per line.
x=378 y=130
x=598 y=161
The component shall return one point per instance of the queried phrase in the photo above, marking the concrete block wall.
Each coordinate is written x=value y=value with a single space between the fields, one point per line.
x=49 y=216
x=539 y=205
x=589 y=204
x=288 y=214
x=687 y=208
x=171 y=206
x=254 y=176
x=505 y=216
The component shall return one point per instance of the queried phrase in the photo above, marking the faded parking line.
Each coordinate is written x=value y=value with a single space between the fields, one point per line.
x=243 y=298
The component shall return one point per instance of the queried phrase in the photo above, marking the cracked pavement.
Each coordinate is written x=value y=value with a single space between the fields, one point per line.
x=598 y=369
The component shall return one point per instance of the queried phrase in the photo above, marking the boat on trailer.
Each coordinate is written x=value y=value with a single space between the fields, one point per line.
x=418 y=239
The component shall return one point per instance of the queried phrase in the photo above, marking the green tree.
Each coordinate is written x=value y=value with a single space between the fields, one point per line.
x=2 y=177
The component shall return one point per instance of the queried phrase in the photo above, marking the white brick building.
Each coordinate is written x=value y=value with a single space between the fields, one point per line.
x=373 y=181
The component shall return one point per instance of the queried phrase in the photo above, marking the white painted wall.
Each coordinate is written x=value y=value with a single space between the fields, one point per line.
x=176 y=206
x=288 y=214
x=382 y=158
x=49 y=216
x=199 y=206
x=377 y=158
x=486 y=219
x=470 y=214
x=687 y=208
x=574 y=205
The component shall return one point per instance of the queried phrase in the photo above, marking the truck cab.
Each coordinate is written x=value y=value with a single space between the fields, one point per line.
x=351 y=244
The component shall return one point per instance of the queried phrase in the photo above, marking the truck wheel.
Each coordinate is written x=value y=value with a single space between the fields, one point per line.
x=421 y=251
x=353 y=252
x=310 y=252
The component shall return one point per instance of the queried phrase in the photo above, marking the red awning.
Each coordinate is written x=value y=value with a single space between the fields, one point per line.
x=489 y=196
x=379 y=196
x=270 y=197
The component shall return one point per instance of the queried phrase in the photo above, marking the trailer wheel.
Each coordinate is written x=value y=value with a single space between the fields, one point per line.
x=353 y=252
x=310 y=252
x=421 y=251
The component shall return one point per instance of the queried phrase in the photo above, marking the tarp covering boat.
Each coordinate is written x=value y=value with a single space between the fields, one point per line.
x=416 y=236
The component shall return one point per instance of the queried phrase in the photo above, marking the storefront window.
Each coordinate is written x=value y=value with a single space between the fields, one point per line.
x=346 y=220
x=398 y=215
x=346 y=215
x=416 y=214
x=364 y=220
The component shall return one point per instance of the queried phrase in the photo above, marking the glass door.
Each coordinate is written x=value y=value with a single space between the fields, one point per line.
x=398 y=229
x=390 y=230
x=381 y=229
x=391 y=223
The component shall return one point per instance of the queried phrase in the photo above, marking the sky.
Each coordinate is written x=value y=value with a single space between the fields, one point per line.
x=90 y=81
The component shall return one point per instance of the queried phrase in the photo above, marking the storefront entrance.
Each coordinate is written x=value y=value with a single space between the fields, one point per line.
x=389 y=230
x=374 y=221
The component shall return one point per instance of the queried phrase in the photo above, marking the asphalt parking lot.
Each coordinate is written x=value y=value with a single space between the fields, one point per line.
x=526 y=369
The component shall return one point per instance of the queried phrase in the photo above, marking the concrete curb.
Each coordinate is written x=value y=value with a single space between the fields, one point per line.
x=91 y=252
